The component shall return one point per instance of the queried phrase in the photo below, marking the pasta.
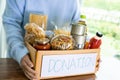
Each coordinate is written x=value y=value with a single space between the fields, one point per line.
x=60 y=31
x=33 y=32
x=62 y=42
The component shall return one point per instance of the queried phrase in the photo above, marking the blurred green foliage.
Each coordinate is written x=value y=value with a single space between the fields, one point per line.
x=103 y=4
x=109 y=29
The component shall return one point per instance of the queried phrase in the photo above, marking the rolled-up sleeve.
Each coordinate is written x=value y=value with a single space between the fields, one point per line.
x=12 y=21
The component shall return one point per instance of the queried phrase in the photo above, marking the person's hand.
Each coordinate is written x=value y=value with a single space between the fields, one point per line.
x=98 y=64
x=27 y=66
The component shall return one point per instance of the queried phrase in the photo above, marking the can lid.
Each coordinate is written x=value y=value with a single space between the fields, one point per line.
x=79 y=23
x=99 y=34
x=82 y=22
x=83 y=16
x=42 y=40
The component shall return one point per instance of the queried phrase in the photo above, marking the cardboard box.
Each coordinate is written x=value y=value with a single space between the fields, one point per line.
x=62 y=63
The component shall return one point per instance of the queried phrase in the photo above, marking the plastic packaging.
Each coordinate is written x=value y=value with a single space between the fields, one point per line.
x=95 y=41
x=33 y=31
x=62 y=42
x=49 y=34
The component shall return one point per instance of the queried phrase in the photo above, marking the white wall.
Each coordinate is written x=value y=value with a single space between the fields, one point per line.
x=3 y=47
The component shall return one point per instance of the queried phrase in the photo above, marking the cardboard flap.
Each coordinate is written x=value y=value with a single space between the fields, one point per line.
x=32 y=52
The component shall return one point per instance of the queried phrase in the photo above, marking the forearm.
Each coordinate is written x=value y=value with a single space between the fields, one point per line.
x=12 y=21
x=15 y=40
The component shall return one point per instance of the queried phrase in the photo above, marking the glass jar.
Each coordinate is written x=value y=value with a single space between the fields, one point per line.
x=42 y=44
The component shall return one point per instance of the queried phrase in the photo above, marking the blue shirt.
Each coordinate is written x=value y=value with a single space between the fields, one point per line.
x=17 y=13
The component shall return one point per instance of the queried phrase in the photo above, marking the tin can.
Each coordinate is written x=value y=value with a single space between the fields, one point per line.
x=79 y=41
x=78 y=28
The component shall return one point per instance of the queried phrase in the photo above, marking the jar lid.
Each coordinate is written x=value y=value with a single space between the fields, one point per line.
x=42 y=40
x=99 y=34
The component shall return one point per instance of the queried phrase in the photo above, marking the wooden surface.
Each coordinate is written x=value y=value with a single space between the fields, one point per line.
x=10 y=70
x=109 y=70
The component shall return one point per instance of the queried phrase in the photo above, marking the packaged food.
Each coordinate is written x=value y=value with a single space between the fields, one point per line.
x=79 y=41
x=33 y=31
x=49 y=34
x=95 y=41
x=42 y=44
x=62 y=42
x=38 y=19
x=78 y=28
x=61 y=31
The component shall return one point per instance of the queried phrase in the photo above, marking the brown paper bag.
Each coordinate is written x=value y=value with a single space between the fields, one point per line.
x=32 y=52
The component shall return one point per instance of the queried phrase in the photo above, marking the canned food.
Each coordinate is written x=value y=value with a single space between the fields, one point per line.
x=79 y=41
x=78 y=28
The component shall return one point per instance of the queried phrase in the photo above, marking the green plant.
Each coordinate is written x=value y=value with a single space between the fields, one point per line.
x=108 y=29
x=111 y=31
x=103 y=4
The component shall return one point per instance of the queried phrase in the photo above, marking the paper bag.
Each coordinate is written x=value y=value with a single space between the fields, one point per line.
x=32 y=52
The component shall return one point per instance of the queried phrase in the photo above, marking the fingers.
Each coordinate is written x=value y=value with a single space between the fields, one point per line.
x=28 y=61
x=29 y=69
x=27 y=66
x=98 y=64
x=30 y=75
x=27 y=75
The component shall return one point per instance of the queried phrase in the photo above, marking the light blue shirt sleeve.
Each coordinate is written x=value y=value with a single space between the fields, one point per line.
x=12 y=20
